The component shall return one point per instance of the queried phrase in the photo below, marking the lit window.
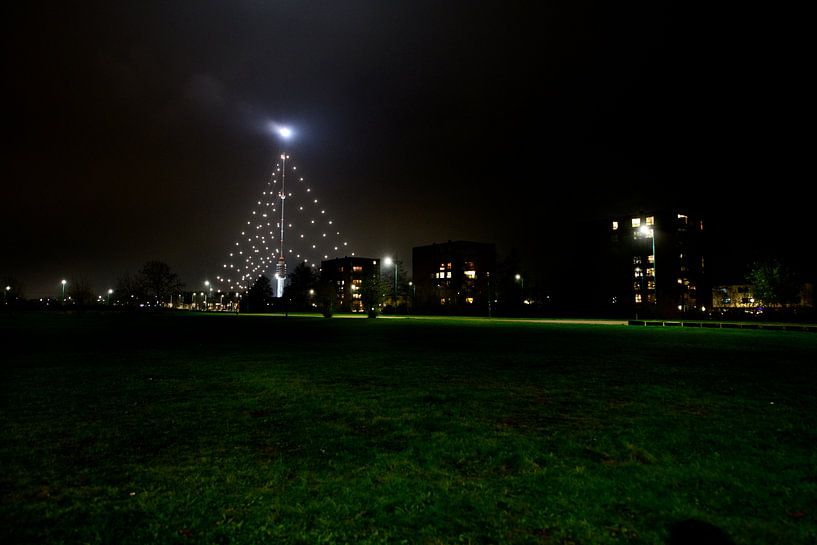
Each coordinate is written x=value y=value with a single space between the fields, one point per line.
x=680 y=281
x=448 y=274
x=448 y=266
x=650 y=220
x=442 y=266
x=650 y=271
x=637 y=260
x=637 y=297
x=442 y=301
x=651 y=258
x=636 y=222
x=615 y=226
x=357 y=268
x=471 y=274
x=469 y=300
x=684 y=218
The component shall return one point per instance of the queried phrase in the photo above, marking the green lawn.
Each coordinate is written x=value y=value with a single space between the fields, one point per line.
x=250 y=429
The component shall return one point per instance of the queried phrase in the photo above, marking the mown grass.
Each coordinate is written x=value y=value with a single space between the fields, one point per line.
x=234 y=429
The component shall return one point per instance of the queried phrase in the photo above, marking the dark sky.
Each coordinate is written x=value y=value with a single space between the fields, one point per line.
x=139 y=132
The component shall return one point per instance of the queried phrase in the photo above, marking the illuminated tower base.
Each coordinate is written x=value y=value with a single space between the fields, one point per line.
x=280 y=277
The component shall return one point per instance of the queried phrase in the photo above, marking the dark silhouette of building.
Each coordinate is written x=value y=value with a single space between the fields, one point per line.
x=454 y=277
x=654 y=264
x=346 y=276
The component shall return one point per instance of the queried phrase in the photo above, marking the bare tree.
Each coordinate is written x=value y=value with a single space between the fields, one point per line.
x=80 y=292
x=159 y=282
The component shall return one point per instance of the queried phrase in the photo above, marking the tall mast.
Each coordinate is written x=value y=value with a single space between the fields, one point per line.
x=281 y=267
x=283 y=197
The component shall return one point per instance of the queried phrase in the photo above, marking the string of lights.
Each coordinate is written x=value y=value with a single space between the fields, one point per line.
x=310 y=232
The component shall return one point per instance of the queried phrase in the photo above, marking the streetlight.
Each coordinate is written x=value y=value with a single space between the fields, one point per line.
x=64 y=282
x=521 y=279
x=389 y=262
x=206 y=285
x=6 y=295
x=110 y=292
x=413 y=287
x=647 y=232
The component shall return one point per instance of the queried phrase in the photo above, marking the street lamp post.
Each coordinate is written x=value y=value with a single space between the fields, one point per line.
x=6 y=295
x=64 y=282
x=206 y=285
x=110 y=292
x=389 y=262
x=521 y=279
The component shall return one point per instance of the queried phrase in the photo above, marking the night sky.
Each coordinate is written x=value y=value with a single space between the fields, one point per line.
x=141 y=132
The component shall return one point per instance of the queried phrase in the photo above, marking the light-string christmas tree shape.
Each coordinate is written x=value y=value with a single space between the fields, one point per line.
x=310 y=234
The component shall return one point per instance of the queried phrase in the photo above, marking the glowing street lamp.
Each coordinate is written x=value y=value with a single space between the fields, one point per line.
x=389 y=262
x=206 y=285
x=64 y=282
x=521 y=279
x=110 y=292
x=6 y=295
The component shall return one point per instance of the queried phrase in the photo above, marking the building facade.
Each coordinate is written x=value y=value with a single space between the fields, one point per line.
x=346 y=275
x=454 y=276
x=728 y=297
x=656 y=264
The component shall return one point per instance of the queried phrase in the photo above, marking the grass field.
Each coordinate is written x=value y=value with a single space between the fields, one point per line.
x=136 y=429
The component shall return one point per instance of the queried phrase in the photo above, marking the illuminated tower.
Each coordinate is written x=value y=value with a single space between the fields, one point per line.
x=281 y=265
x=311 y=234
